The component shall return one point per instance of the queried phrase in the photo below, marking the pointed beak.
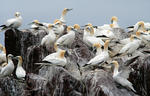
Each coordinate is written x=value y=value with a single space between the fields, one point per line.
x=31 y=23
x=69 y=9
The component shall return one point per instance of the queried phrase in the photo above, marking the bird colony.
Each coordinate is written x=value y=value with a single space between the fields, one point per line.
x=99 y=39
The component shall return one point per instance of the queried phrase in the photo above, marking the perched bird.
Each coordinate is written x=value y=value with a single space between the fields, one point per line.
x=62 y=18
x=76 y=27
x=2 y=54
x=114 y=22
x=102 y=57
x=20 y=72
x=56 y=58
x=89 y=38
x=67 y=39
x=38 y=25
x=59 y=27
x=122 y=76
x=49 y=39
x=13 y=22
x=98 y=48
x=131 y=46
x=139 y=26
x=9 y=68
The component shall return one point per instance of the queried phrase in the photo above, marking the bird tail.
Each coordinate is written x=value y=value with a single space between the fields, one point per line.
x=4 y=27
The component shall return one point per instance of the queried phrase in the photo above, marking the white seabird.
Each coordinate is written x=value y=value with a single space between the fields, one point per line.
x=122 y=76
x=76 y=27
x=56 y=58
x=62 y=18
x=20 y=72
x=49 y=39
x=114 y=22
x=98 y=48
x=102 y=57
x=2 y=54
x=13 y=22
x=59 y=27
x=67 y=39
x=131 y=46
x=9 y=68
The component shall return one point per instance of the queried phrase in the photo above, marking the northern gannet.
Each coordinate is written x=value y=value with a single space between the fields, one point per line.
x=2 y=54
x=20 y=72
x=9 y=68
x=139 y=26
x=13 y=22
x=76 y=27
x=114 y=22
x=59 y=27
x=89 y=38
x=38 y=25
x=131 y=46
x=49 y=39
x=98 y=48
x=62 y=18
x=122 y=76
x=68 y=38
x=56 y=58
x=102 y=57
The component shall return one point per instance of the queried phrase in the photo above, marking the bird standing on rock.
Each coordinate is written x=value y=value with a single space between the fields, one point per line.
x=12 y=23
x=20 y=72
x=8 y=68
x=122 y=76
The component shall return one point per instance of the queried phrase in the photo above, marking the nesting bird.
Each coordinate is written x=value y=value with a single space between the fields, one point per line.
x=122 y=76
x=67 y=39
x=20 y=72
x=100 y=58
x=50 y=38
x=8 y=68
x=13 y=22
x=57 y=58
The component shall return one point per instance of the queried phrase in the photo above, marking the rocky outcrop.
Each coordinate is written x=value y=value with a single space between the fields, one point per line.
x=70 y=80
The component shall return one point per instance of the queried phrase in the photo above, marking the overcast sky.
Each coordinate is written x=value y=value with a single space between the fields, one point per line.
x=97 y=12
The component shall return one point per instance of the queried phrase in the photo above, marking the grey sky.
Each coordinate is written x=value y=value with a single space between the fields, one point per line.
x=97 y=12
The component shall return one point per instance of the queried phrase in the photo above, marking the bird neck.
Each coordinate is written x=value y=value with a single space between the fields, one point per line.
x=10 y=61
x=116 y=69
x=99 y=49
x=19 y=63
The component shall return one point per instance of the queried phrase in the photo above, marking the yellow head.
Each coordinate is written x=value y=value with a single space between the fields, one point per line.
x=1 y=47
x=55 y=21
x=58 y=23
x=50 y=26
x=114 y=18
x=141 y=23
x=138 y=33
x=76 y=26
x=89 y=24
x=111 y=25
x=62 y=53
x=69 y=28
x=116 y=64
x=106 y=44
x=65 y=11
x=97 y=45
x=36 y=22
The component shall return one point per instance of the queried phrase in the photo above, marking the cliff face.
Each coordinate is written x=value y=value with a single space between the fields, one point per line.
x=70 y=80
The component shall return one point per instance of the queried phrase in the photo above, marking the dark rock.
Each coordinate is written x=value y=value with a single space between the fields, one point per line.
x=70 y=80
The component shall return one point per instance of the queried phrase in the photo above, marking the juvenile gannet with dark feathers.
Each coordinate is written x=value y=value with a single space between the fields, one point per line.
x=20 y=72
x=122 y=76
x=62 y=18
x=2 y=54
x=68 y=38
x=13 y=22
x=58 y=59
x=9 y=68
x=49 y=39
x=102 y=57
